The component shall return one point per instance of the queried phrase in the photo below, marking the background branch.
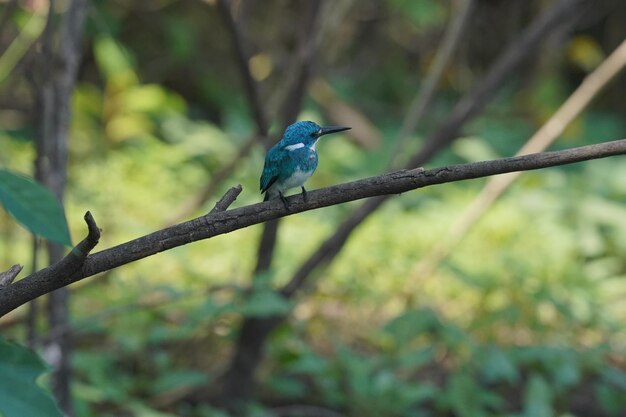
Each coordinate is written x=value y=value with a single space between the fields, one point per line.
x=250 y=85
x=541 y=140
x=291 y=106
x=218 y=223
x=420 y=103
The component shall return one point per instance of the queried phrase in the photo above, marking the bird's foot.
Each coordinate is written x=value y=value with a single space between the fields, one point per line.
x=304 y=196
x=284 y=200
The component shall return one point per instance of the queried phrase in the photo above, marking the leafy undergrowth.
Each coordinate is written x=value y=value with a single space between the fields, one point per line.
x=416 y=364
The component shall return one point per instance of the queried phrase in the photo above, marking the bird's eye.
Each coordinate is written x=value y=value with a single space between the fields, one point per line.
x=316 y=134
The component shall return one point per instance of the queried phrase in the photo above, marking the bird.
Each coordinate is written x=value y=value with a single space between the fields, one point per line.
x=291 y=161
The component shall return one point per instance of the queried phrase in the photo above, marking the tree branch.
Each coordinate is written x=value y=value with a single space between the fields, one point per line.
x=227 y=199
x=422 y=100
x=591 y=86
x=254 y=98
x=7 y=277
x=74 y=267
x=55 y=276
x=217 y=178
x=562 y=14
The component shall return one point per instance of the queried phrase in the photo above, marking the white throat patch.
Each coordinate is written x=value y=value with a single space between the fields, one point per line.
x=295 y=146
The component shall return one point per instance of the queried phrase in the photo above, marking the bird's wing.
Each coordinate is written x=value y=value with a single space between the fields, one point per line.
x=271 y=170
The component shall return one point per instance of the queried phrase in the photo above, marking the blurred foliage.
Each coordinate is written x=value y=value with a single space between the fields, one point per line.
x=525 y=318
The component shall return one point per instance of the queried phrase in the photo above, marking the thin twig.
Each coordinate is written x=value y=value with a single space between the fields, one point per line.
x=218 y=223
x=227 y=199
x=197 y=201
x=57 y=275
x=7 y=277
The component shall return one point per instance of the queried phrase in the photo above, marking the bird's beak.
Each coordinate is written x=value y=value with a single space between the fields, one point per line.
x=332 y=129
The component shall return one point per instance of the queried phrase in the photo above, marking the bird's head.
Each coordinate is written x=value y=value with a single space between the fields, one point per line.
x=308 y=132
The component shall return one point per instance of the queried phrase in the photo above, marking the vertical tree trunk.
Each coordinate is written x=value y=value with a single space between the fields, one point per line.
x=239 y=379
x=56 y=70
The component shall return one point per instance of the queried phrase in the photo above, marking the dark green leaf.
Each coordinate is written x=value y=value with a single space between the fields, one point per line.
x=175 y=379
x=265 y=303
x=467 y=398
x=537 y=398
x=287 y=387
x=411 y=324
x=19 y=393
x=496 y=365
x=610 y=398
x=34 y=206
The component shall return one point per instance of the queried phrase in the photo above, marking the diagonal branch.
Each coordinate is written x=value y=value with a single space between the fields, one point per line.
x=591 y=86
x=421 y=102
x=250 y=85
x=227 y=199
x=75 y=266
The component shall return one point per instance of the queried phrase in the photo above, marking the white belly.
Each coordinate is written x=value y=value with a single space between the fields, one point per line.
x=296 y=180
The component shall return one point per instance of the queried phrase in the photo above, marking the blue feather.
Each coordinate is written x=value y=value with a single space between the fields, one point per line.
x=290 y=162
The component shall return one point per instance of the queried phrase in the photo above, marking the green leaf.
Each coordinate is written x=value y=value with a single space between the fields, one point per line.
x=537 y=398
x=265 y=303
x=423 y=13
x=496 y=365
x=34 y=206
x=411 y=324
x=467 y=398
x=288 y=387
x=610 y=399
x=175 y=379
x=19 y=393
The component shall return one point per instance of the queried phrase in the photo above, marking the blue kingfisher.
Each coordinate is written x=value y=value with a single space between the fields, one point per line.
x=291 y=162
